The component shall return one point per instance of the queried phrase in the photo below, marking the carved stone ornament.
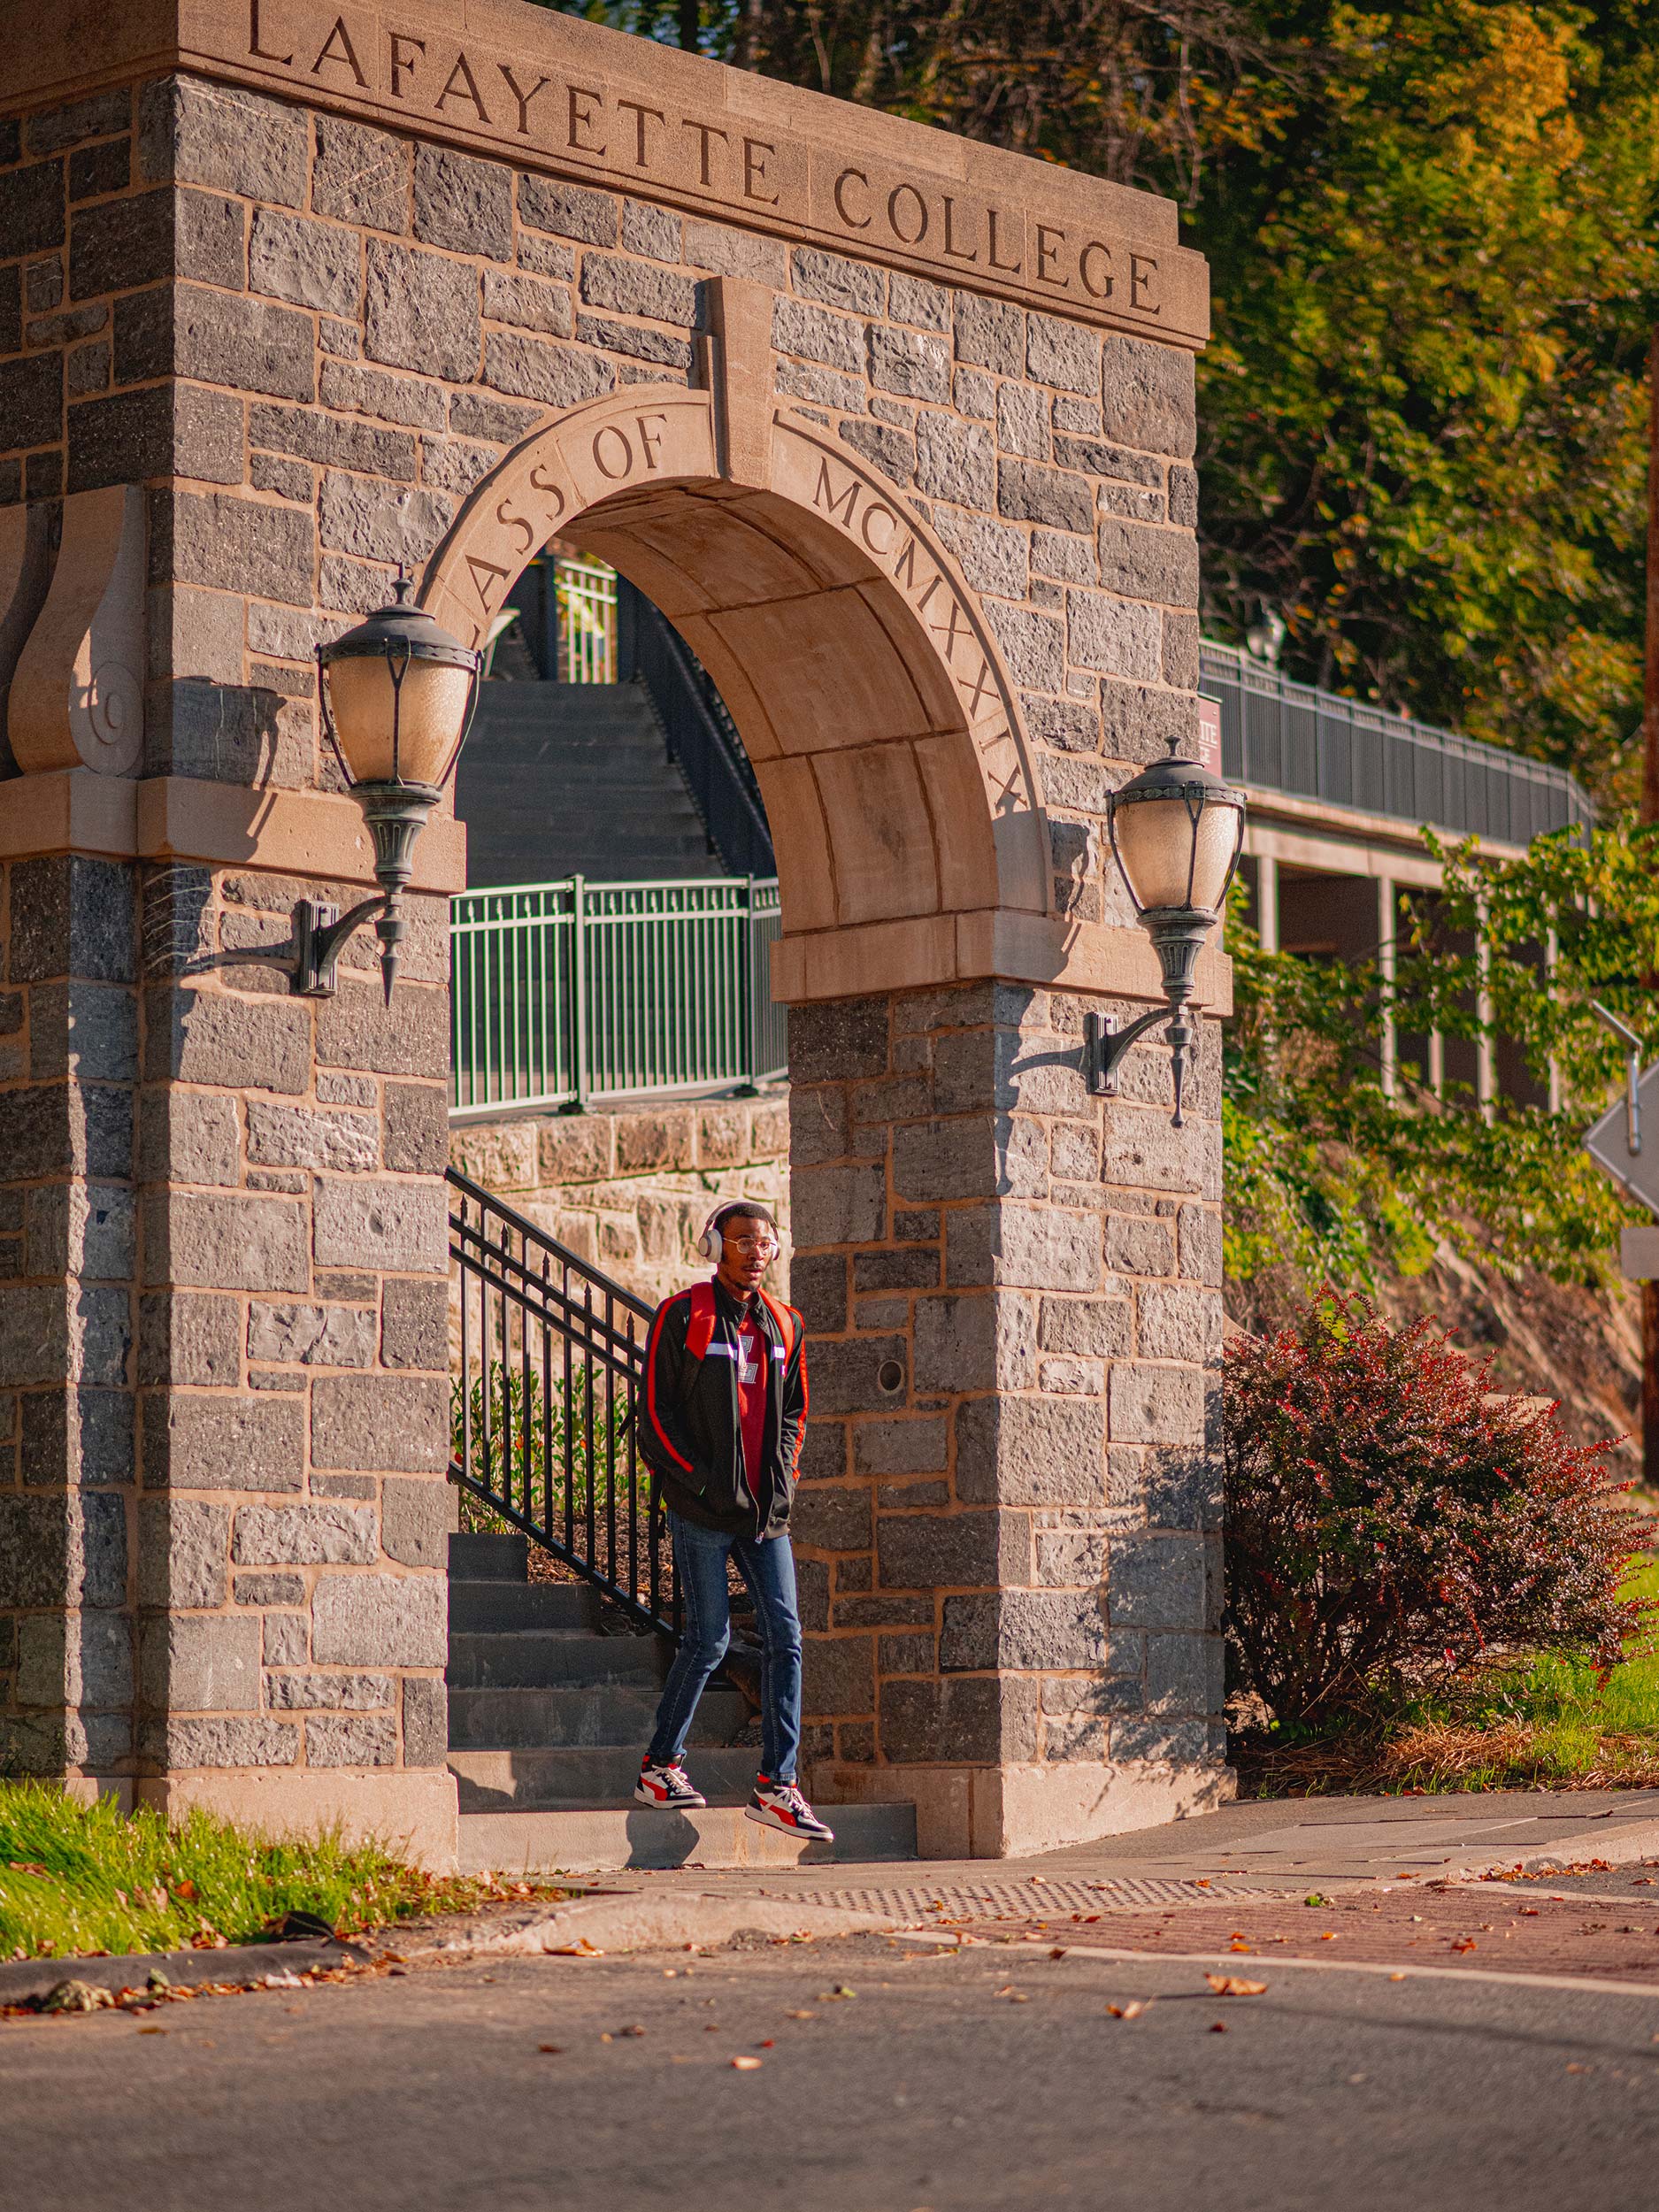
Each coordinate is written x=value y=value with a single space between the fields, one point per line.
x=77 y=694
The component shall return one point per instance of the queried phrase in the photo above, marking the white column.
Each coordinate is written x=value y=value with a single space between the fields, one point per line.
x=1267 y=901
x=1485 y=1058
x=1386 y=924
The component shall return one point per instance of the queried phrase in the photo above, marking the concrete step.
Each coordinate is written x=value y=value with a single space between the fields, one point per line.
x=589 y=1774
x=487 y=1608
x=513 y=712
x=594 y=751
x=523 y=709
x=602 y=1714
x=489 y=1558
x=538 y=1659
x=604 y=1839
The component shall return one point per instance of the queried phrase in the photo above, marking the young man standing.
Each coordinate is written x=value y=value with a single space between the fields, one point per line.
x=726 y=1411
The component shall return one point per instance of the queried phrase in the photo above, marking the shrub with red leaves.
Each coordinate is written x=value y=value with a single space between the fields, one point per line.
x=1385 y=1523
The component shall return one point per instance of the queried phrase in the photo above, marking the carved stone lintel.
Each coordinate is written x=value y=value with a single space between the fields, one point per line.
x=77 y=698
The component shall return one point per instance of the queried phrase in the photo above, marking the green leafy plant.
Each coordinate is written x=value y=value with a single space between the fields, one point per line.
x=1388 y=1522
x=1334 y=1176
x=542 y=1446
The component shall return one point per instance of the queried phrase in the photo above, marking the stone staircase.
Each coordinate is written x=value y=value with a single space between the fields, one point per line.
x=548 y=1715
x=561 y=779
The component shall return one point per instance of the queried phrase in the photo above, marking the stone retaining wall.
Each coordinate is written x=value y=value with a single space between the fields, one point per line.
x=630 y=1188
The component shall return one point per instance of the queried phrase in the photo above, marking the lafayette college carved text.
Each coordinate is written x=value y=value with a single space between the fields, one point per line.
x=629 y=136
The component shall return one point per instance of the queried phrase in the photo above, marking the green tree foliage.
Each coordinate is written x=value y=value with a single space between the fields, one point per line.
x=1431 y=230
x=1331 y=1174
x=1424 y=416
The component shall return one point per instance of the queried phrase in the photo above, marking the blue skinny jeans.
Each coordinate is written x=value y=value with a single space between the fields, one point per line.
x=768 y=1568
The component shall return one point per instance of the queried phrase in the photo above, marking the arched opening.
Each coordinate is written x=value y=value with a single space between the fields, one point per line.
x=881 y=724
x=865 y=683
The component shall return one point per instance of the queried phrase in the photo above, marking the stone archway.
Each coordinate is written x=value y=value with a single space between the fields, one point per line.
x=853 y=656
x=921 y=498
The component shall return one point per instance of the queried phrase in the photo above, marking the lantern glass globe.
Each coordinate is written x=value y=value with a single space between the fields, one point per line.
x=397 y=696
x=398 y=724
x=1175 y=853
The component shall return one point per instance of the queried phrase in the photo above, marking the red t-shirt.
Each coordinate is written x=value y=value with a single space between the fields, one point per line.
x=751 y=1394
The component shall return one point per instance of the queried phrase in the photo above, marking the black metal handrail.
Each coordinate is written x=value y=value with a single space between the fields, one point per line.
x=701 y=736
x=551 y=1364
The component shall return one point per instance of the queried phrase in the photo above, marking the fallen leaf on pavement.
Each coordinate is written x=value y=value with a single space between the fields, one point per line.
x=1465 y=1943
x=748 y=2065
x=1133 y=2010
x=1400 y=1977
x=580 y=1949
x=553 y=2050
x=799 y=2016
x=840 y=1990
x=1217 y=2027
x=1235 y=1986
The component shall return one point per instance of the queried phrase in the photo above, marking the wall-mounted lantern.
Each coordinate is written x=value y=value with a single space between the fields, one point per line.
x=1177 y=831
x=396 y=696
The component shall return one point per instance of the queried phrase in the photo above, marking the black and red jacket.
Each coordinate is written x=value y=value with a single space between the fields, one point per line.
x=691 y=1435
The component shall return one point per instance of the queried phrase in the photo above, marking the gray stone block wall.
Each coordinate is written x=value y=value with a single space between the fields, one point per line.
x=68 y=1311
x=1008 y=1527
x=219 y=1264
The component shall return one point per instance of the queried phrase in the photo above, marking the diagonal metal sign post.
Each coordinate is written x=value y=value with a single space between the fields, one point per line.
x=1624 y=1145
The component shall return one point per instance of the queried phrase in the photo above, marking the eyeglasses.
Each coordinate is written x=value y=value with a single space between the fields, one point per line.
x=766 y=1247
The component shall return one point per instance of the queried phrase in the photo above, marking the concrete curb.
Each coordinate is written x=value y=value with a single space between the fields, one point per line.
x=244 y=1965
x=631 y=1921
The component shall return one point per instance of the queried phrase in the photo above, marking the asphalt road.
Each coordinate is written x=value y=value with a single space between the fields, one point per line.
x=933 y=2086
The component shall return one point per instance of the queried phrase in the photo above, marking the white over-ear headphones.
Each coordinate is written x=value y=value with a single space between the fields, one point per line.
x=712 y=1243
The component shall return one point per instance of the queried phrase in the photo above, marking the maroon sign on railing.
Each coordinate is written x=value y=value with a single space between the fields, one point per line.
x=1210 y=733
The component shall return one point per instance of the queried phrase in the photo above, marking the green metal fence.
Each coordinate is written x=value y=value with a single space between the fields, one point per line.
x=562 y=992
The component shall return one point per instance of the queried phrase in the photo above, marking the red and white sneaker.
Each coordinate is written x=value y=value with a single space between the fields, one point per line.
x=780 y=1805
x=669 y=1787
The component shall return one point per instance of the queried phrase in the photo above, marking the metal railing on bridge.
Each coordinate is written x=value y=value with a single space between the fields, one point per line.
x=1283 y=736
x=570 y=991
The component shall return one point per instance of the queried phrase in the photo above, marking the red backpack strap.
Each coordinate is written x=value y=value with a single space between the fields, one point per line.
x=785 y=1320
x=700 y=1330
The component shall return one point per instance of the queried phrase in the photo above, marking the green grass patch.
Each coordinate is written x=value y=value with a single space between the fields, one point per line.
x=1542 y=1720
x=89 y=1878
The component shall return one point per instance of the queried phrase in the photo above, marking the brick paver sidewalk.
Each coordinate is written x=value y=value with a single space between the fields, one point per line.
x=1508 y=1927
